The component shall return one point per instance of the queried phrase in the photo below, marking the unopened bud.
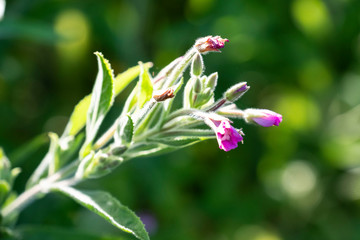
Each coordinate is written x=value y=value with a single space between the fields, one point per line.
x=236 y=91
x=211 y=81
x=262 y=117
x=197 y=85
x=117 y=150
x=210 y=44
x=100 y=164
x=197 y=65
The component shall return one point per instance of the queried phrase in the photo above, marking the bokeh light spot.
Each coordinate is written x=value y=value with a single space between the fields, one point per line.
x=299 y=111
x=72 y=26
x=298 y=179
x=350 y=89
x=254 y=232
x=315 y=76
x=199 y=7
x=312 y=16
x=340 y=143
x=349 y=185
x=243 y=48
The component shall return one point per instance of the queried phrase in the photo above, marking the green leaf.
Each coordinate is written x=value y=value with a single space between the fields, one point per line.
x=123 y=79
x=124 y=131
x=106 y=206
x=102 y=97
x=146 y=86
x=131 y=101
x=78 y=117
x=50 y=162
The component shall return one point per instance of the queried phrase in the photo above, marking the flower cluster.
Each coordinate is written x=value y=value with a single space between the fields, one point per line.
x=199 y=100
x=148 y=124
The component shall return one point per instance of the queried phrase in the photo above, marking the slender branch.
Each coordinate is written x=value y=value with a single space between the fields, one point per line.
x=22 y=200
x=105 y=138
x=28 y=196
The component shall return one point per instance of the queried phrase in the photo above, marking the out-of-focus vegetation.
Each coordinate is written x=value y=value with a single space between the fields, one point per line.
x=300 y=180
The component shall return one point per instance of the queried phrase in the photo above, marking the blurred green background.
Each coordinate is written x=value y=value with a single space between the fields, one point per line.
x=300 y=180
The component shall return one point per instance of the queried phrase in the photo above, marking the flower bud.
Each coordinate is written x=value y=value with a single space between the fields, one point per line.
x=203 y=98
x=236 y=91
x=262 y=117
x=211 y=81
x=210 y=44
x=117 y=150
x=99 y=165
x=197 y=85
x=197 y=65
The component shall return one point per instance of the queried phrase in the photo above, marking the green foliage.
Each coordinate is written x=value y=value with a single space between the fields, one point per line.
x=145 y=86
x=101 y=100
x=78 y=117
x=125 y=131
x=302 y=58
x=109 y=208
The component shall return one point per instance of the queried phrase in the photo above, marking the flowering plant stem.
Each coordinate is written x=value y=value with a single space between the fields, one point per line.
x=148 y=125
x=31 y=194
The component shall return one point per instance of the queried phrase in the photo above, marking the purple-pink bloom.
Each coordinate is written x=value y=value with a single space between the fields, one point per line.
x=227 y=136
x=263 y=117
x=210 y=44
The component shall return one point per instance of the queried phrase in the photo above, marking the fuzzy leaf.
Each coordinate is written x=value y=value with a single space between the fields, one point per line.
x=124 y=131
x=146 y=86
x=101 y=99
x=78 y=117
x=106 y=206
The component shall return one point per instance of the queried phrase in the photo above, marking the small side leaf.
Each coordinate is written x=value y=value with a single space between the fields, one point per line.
x=102 y=97
x=146 y=86
x=125 y=131
x=106 y=206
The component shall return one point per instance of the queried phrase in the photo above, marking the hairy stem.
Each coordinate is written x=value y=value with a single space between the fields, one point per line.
x=31 y=194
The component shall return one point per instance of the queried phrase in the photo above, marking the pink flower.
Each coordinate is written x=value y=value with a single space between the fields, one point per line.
x=210 y=44
x=263 y=117
x=227 y=136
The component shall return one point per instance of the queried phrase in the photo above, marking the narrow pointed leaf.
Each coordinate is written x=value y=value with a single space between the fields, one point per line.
x=102 y=97
x=146 y=86
x=106 y=206
x=125 y=131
